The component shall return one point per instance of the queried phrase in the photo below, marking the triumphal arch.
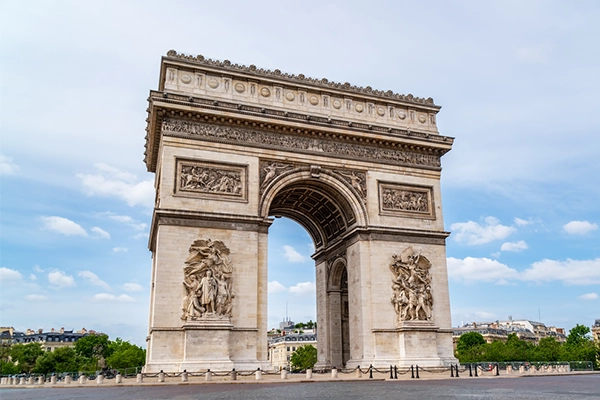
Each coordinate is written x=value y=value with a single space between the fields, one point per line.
x=234 y=146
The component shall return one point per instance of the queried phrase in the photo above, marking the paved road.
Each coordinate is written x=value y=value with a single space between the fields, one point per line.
x=543 y=387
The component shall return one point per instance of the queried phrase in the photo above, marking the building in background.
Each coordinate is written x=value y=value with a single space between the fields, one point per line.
x=281 y=347
x=596 y=331
x=527 y=330
x=49 y=340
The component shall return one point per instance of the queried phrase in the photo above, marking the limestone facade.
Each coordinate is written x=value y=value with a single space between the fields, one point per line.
x=233 y=146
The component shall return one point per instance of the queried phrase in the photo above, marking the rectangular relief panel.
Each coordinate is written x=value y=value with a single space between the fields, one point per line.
x=406 y=200
x=209 y=180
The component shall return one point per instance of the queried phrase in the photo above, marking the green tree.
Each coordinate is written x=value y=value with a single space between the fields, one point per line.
x=125 y=355
x=93 y=346
x=468 y=341
x=25 y=355
x=304 y=357
x=62 y=359
x=548 y=349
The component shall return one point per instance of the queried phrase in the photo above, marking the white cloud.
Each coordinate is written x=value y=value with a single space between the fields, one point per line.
x=32 y=277
x=589 y=296
x=579 y=227
x=35 y=297
x=112 y=182
x=133 y=287
x=7 y=167
x=63 y=226
x=472 y=233
x=93 y=279
x=573 y=272
x=514 y=246
x=143 y=235
x=120 y=249
x=112 y=298
x=485 y=315
x=101 y=232
x=292 y=255
x=9 y=275
x=303 y=288
x=37 y=268
x=522 y=222
x=276 y=287
x=60 y=279
x=125 y=219
x=473 y=269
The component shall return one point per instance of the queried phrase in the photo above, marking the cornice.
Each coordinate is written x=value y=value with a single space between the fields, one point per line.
x=301 y=79
x=173 y=105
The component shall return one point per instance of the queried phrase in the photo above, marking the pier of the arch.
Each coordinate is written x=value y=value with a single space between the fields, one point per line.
x=232 y=147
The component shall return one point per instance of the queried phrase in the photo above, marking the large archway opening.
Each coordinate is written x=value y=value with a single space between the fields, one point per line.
x=312 y=209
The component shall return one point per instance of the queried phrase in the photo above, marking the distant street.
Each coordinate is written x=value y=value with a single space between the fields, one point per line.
x=543 y=387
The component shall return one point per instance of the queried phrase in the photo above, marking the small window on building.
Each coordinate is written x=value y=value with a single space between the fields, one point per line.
x=293 y=349
x=288 y=349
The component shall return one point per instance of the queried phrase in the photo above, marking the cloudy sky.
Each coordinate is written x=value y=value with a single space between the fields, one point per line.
x=518 y=81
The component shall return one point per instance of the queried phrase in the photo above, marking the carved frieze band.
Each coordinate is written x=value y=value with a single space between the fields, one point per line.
x=305 y=144
x=411 y=286
x=211 y=180
x=413 y=201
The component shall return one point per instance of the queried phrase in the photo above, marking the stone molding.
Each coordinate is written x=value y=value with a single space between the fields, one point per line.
x=299 y=79
x=286 y=142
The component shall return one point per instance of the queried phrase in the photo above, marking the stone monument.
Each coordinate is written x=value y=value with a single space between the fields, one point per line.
x=233 y=146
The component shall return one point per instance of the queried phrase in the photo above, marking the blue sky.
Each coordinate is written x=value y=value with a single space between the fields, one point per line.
x=519 y=87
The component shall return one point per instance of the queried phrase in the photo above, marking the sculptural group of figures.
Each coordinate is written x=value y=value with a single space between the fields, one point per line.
x=412 y=297
x=404 y=200
x=210 y=180
x=207 y=281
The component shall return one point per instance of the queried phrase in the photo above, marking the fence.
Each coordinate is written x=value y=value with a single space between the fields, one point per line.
x=134 y=375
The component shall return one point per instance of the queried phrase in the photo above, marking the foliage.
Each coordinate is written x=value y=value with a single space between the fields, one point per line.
x=9 y=368
x=125 y=355
x=471 y=347
x=62 y=359
x=93 y=346
x=304 y=357
x=25 y=355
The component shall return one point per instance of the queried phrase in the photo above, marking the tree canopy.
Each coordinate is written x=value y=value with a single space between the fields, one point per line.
x=304 y=357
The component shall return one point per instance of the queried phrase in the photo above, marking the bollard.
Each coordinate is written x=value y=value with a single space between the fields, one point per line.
x=476 y=367
x=334 y=373
x=509 y=369
x=451 y=371
x=470 y=371
x=53 y=379
x=391 y=372
x=119 y=378
x=233 y=375
x=161 y=376
x=456 y=369
x=22 y=380
x=68 y=380
x=30 y=380
x=417 y=371
x=358 y=372
x=184 y=376
x=139 y=378
x=82 y=379
x=395 y=372
x=412 y=372
x=497 y=369
x=284 y=374
x=371 y=371
x=258 y=374
x=309 y=373
x=100 y=379
x=208 y=375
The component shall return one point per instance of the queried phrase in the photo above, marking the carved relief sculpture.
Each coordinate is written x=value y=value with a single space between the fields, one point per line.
x=211 y=180
x=207 y=281
x=356 y=179
x=411 y=285
x=404 y=199
x=269 y=170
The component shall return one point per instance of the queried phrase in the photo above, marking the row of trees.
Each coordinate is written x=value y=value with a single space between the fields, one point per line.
x=472 y=347
x=90 y=353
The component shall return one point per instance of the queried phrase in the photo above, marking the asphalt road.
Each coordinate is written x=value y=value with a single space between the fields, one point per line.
x=543 y=387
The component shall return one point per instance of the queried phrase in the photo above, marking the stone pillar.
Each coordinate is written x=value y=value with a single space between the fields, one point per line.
x=284 y=374
x=161 y=376
x=100 y=379
x=41 y=380
x=53 y=380
x=358 y=372
x=521 y=369
x=68 y=379
x=258 y=375
x=119 y=378
x=334 y=373
x=30 y=380
x=184 y=376
x=82 y=379
x=22 y=380
x=208 y=375
x=509 y=369
x=139 y=378
x=309 y=373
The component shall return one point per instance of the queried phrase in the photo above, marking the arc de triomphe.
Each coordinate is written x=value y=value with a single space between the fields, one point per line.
x=233 y=146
